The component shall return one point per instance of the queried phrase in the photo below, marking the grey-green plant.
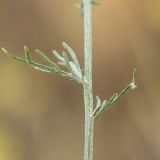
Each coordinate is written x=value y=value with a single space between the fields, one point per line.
x=67 y=59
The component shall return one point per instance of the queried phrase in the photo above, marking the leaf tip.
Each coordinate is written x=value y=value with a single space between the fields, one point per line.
x=37 y=51
x=134 y=73
x=27 y=53
x=133 y=83
x=4 y=50
x=26 y=49
x=65 y=45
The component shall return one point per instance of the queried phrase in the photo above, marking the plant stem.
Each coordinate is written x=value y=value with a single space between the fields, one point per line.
x=88 y=93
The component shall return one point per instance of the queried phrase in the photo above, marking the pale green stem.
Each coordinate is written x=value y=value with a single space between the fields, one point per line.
x=88 y=93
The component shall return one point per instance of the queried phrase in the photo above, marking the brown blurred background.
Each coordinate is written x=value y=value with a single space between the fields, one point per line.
x=42 y=115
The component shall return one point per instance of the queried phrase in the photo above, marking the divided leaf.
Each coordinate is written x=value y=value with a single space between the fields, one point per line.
x=73 y=55
x=107 y=104
x=41 y=67
x=73 y=66
x=22 y=60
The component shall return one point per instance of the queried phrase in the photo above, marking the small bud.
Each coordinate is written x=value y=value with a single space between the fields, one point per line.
x=133 y=85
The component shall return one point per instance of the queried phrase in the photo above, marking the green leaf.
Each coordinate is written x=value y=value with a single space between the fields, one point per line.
x=73 y=55
x=35 y=64
x=98 y=106
x=74 y=74
x=72 y=68
x=66 y=60
x=115 y=97
x=58 y=56
x=22 y=60
x=43 y=67
x=27 y=54
x=98 y=102
x=45 y=58
x=75 y=71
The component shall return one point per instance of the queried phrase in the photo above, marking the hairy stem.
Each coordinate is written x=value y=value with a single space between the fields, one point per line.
x=88 y=93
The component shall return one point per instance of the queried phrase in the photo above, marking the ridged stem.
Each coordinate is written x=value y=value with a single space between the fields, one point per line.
x=88 y=93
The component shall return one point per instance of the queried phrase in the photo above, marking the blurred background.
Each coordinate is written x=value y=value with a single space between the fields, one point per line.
x=42 y=115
